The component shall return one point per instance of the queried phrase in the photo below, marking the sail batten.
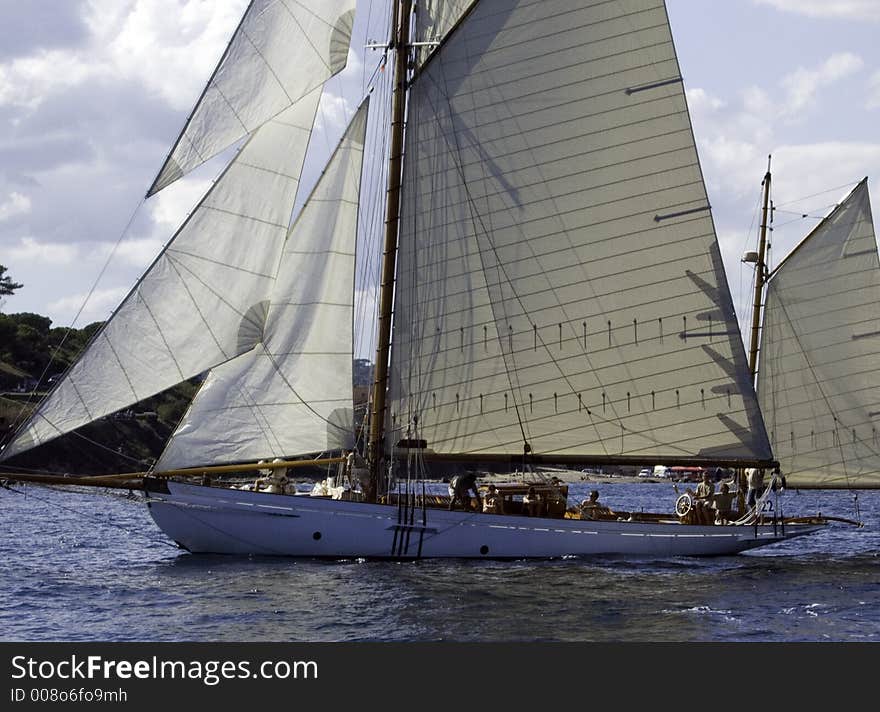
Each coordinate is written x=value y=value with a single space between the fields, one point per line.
x=280 y=53
x=818 y=383
x=560 y=287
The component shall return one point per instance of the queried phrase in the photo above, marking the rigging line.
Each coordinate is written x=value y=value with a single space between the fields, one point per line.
x=815 y=195
x=517 y=296
x=267 y=433
x=372 y=218
x=177 y=267
x=476 y=218
x=293 y=391
x=743 y=306
x=85 y=438
x=364 y=64
x=617 y=422
x=79 y=312
x=826 y=399
x=75 y=433
x=416 y=325
x=143 y=279
x=669 y=408
x=90 y=517
x=368 y=251
x=803 y=214
x=798 y=219
x=330 y=141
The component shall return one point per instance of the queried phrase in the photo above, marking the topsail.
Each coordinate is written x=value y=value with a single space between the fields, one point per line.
x=281 y=52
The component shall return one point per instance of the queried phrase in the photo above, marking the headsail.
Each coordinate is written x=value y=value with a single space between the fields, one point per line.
x=292 y=394
x=560 y=284
x=818 y=382
x=281 y=51
x=203 y=301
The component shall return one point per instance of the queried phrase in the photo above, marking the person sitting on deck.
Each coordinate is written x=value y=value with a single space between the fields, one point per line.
x=593 y=509
x=532 y=503
x=493 y=502
x=555 y=499
x=459 y=490
x=703 y=495
x=723 y=504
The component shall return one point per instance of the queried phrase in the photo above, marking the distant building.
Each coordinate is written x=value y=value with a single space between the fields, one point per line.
x=362 y=372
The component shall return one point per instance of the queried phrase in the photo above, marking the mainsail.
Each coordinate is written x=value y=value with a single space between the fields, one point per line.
x=292 y=394
x=203 y=301
x=560 y=287
x=281 y=51
x=818 y=381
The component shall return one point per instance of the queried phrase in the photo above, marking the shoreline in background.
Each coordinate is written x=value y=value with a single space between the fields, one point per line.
x=570 y=477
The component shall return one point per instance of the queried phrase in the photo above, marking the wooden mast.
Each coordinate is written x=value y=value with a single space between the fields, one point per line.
x=760 y=278
x=402 y=12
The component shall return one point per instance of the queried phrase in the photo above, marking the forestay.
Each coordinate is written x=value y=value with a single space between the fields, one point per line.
x=204 y=300
x=560 y=285
x=281 y=51
x=818 y=382
x=292 y=394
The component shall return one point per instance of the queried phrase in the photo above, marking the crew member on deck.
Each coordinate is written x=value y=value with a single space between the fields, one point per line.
x=493 y=502
x=755 y=479
x=723 y=504
x=459 y=488
x=532 y=503
x=591 y=508
x=703 y=499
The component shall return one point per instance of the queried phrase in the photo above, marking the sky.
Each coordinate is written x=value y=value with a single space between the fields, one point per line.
x=94 y=92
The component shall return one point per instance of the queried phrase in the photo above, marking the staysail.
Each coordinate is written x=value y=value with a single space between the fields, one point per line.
x=203 y=301
x=560 y=286
x=292 y=394
x=281 y=51
x=818 y=382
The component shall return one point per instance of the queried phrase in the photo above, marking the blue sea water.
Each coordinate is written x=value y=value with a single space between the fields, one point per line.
x=92 y=566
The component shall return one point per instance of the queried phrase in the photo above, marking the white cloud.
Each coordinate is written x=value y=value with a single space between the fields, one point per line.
x=802 y=85
x=834 y=9
x=130 y=252
x=736 y=160
x=99 y=306
x=700 y=100
x=28 y=81
x=183 y=38
x=735 y=142
x=874 y=91
x=815 y=168
x=129 y=40
x=334 y=113
x=171 y=206
x=30 y=250
x=16 y=204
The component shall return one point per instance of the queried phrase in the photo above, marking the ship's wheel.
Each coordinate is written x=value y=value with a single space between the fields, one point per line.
x=683 y=505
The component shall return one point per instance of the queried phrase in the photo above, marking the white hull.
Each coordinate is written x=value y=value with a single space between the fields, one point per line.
x=225 y=521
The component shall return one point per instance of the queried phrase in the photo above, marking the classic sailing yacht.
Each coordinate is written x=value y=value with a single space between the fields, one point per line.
x=552 y=291
x=818 y=383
